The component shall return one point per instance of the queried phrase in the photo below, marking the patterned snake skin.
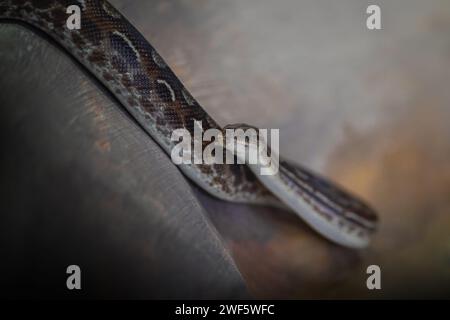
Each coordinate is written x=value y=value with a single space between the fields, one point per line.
x=122 y=59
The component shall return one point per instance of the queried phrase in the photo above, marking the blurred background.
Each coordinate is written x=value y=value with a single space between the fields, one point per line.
x=369 y=108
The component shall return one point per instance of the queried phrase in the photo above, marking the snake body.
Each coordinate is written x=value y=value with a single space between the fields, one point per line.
x=132 y=70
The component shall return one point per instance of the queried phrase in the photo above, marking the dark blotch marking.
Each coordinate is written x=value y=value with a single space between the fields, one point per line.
x=126 y=54
x=97 y=57
x=78 y=40
x=107 y=76
x=119 y=64
x=142 y=83
x=126 y=81
x=131 y=101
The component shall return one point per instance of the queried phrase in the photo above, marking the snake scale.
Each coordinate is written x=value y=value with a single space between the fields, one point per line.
x=116 y=54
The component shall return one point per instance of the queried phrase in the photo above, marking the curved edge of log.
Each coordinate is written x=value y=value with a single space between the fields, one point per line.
x=82 y=184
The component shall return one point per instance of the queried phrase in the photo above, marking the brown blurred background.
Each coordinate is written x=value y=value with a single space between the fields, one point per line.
x=367 y=108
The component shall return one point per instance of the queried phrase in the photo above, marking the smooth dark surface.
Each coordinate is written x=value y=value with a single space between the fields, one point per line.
x=82 y=184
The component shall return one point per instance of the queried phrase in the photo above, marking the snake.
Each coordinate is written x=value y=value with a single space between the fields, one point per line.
x=117 y=55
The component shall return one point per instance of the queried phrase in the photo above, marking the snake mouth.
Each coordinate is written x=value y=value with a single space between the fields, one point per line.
x=248 y=136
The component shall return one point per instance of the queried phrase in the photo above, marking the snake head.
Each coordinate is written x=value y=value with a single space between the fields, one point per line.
x=249 y=145
x=243 y=136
